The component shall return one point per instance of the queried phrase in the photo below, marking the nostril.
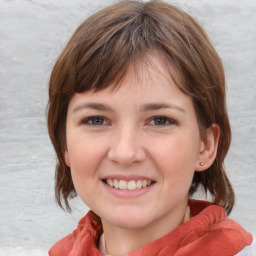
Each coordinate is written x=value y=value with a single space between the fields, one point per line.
x=126 y=155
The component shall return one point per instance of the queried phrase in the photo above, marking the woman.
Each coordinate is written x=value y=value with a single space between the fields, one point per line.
x=138 y=119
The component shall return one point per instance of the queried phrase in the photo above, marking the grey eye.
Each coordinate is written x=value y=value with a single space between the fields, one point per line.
x=95 y=120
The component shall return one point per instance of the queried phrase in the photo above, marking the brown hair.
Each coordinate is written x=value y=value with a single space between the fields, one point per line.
x=99 y=53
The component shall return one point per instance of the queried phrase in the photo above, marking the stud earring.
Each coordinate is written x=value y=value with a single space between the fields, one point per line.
x=202 y=163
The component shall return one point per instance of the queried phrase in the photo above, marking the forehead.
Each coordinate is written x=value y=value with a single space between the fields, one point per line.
x=148 y=71
x=145 y=82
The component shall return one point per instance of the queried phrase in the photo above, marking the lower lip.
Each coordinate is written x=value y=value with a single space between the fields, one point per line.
x=125 y=193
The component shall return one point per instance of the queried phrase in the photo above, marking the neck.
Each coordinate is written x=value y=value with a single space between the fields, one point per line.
x=121 y=241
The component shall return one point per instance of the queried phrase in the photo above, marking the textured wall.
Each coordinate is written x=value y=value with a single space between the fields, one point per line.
x=32 y=34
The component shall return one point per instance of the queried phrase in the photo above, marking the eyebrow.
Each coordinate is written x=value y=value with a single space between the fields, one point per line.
x=157 y=106
x=144 y=108
x=95 y=106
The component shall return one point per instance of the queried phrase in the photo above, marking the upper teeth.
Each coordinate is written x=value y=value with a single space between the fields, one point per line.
x=130 y=185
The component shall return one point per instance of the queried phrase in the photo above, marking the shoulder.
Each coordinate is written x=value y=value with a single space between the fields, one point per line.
x=224 y=234
x=65 y=245
x=85 y=236
x=62 y=247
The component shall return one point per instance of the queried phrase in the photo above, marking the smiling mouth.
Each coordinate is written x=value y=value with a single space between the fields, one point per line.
x=128 y=185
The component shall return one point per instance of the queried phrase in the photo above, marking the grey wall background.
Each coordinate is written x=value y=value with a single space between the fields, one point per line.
x=32 y=34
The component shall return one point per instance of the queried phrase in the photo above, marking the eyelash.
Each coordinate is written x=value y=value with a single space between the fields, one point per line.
x=100 y=120
x=91 y=119
x=162 y=118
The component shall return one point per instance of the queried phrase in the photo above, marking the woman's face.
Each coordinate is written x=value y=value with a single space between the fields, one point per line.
x=133 y=151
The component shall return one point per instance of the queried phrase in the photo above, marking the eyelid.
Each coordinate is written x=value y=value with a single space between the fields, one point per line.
x=85 y=121
x=168 y=119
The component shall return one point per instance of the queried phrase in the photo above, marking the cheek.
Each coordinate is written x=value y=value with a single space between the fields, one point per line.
x=177 y=149
x=85 y=159
x=84 y=155
x=176 y=159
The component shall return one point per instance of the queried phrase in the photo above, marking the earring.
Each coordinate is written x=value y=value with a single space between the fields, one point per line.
x=202 y=163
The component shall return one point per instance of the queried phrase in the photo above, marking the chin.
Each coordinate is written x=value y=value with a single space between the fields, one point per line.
x=128 y=220
x=129 y=223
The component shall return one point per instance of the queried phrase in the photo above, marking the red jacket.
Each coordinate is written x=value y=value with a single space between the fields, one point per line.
x=209 y=232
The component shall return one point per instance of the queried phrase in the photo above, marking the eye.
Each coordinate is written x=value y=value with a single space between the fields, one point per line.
x=161 y=120
x=95 y=120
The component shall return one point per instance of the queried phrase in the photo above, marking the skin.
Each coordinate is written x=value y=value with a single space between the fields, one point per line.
x=146 y=128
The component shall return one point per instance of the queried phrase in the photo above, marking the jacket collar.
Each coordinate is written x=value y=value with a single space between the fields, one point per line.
x=208 y=232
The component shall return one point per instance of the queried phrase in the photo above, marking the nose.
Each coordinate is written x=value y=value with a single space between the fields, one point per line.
x=126 y=147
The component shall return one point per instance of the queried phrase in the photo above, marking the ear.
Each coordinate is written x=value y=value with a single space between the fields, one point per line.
x=67 y=160
x=208 y=148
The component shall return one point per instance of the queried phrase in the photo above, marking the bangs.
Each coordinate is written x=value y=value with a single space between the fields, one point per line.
x=106 y=44
x=104 y=59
